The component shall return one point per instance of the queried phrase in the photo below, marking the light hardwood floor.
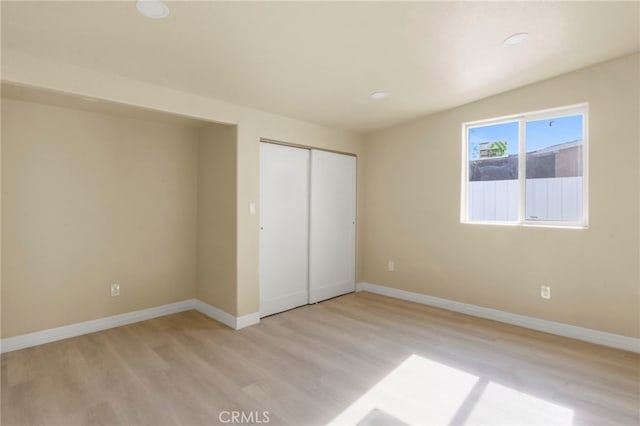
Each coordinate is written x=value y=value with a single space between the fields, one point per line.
x=360 y=358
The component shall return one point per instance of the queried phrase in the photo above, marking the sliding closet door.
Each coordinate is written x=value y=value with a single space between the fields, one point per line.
x=332 y=262
x=284 y=228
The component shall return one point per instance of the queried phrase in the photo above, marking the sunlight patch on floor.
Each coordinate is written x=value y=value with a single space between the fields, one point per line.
x=500 y=405
x=423 y=392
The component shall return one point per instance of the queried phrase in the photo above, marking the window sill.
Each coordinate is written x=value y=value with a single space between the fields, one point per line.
x=531 y=224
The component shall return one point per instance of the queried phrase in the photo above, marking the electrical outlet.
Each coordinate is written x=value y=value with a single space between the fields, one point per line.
x=545 y=292
x=115 y=290
x=391 y=266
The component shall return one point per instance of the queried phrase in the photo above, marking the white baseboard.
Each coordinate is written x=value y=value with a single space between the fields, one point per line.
x=561 y=329
x=59 y=333
x=227 y=319
x=215 y=313
x=247 y=320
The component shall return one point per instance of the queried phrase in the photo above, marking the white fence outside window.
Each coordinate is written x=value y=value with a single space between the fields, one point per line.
x=546 y=199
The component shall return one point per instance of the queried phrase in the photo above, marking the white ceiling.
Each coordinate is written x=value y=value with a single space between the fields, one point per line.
x=320 y=61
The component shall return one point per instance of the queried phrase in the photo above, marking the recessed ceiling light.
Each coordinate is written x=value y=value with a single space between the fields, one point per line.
x=378 y=95
x=514 y=39
x=154 y=9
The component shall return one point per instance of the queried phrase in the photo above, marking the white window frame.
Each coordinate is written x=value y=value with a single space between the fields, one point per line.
x=522 y=119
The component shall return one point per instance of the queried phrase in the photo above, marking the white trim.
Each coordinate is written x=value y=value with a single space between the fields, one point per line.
x=225 y=318
x=215 y=313
x=15 y=343
x=585 y=165
x=59 y=333
x=560 y=329
x=247 y=320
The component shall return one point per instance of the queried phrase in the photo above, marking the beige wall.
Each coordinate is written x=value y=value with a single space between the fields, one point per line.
x=412 y=206
x=27 y=70
x=88 y=200
x=217 y=217
x=411 y=200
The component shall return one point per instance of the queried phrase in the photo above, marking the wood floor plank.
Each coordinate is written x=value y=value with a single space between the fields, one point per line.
x=348 y=356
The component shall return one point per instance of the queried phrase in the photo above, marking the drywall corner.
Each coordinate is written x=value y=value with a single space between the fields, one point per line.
x=216 y=241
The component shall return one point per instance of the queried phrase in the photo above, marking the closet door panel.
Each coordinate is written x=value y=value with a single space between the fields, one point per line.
x=332 y=225
x=284 y=228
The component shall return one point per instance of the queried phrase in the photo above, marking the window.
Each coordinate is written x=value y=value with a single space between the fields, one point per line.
x=529 y=169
